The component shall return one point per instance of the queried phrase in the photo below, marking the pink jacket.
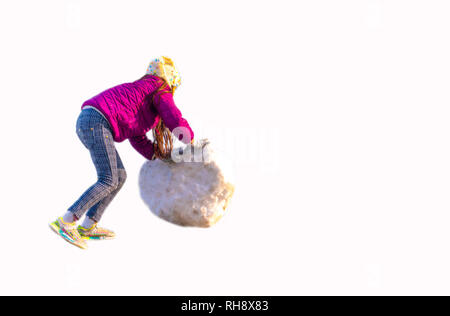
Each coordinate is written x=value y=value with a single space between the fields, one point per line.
x=129 y=109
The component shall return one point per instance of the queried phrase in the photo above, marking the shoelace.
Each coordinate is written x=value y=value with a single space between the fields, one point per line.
x=93 y=230
x=96 y=231
x=71 y=230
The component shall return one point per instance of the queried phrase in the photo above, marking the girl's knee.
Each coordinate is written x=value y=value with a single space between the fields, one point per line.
x=122 y=176
x=110 y=184
x=116 y=182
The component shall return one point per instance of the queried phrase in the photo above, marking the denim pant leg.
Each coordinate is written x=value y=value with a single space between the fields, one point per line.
x=95 y=133
x=96 y=212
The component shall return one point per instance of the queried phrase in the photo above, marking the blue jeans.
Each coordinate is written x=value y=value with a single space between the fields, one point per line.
x=95 y=133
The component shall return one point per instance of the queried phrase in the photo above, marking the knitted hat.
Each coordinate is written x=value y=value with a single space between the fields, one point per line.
x=164 y=68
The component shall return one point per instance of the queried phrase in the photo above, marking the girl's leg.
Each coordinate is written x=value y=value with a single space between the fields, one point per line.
x=95 y=213
x=97 y=137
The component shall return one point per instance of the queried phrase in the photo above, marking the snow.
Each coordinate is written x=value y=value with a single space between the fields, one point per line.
x=193 y=191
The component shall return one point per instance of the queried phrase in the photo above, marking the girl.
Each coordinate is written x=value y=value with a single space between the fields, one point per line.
x=127 y=111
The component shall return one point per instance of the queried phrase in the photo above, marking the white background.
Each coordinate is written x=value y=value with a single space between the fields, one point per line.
x=335 y=113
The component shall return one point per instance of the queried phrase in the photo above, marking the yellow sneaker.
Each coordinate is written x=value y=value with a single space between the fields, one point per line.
x=68 y=232
x=96 y=233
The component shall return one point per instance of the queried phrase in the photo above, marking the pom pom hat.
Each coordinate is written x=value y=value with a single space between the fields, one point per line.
x=164 y=68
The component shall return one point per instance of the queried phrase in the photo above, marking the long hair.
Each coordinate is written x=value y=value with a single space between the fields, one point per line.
x=162 y=137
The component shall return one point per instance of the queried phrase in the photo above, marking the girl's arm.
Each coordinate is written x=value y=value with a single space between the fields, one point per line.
x=172 y=116
x=143 y=145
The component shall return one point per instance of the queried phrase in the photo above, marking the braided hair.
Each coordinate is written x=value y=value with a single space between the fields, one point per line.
x=162 y=137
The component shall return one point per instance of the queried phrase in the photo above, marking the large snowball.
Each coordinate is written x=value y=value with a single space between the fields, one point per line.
x=194 y=192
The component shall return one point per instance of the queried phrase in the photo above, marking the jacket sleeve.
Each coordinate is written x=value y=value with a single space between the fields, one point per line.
x=143 y=145
x=172 y=116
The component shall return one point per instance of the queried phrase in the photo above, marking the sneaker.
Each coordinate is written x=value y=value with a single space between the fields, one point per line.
x=96 y=233
x=69 y=232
